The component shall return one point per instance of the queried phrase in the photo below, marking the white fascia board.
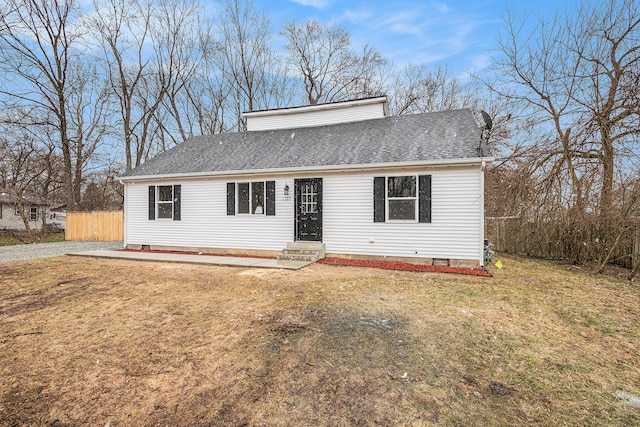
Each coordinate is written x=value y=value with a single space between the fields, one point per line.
x=304 y=170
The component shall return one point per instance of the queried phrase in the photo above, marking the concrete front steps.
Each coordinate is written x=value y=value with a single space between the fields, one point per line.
x=303 y=251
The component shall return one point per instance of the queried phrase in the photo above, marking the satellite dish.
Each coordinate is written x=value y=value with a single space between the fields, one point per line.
x=488 y=123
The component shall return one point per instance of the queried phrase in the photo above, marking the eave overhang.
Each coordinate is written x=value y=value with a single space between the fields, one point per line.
x=309 y=169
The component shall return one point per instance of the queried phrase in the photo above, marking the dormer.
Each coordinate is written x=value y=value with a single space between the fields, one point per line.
x=318 y=115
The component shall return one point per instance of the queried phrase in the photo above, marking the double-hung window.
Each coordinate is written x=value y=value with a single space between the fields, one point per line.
x=164 y=202
x=251 y=198
x=33 y=212
x=402 y=198
x=255 y=198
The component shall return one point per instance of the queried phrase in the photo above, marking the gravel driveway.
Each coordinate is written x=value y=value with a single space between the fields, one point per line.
x=46 y=250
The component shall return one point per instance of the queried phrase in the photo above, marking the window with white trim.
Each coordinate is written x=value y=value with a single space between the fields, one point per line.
x=164 y=202
x=251 y=198
x=33 y=212
x=401 y=198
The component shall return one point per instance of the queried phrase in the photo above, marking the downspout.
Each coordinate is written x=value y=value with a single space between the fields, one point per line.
x=481 y=258
x=124 y=216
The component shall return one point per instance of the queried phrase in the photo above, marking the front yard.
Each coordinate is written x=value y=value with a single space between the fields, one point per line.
x=21 y=237
x=91 y=342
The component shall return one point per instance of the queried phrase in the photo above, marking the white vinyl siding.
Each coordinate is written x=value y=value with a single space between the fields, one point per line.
x=348 y=227
x=314 y=116
x=454 y=231
x=204 y=221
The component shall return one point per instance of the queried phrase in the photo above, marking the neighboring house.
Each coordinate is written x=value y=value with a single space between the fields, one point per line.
x=37 y=211
x=366 y=185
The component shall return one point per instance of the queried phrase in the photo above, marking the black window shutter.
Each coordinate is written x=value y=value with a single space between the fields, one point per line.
x=152 y=202
x=271 y=198
x=231 y=198
x=176 y=202
x=424 y=207
x=378 y=199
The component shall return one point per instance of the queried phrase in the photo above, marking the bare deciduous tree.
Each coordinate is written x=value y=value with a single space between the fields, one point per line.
x=28 y=168
x=421 y=89
x=143 y=47
x=572 y=81
x=41 y=53
x=246 y=61
x=205 y=101
x=21 y=167
x=574 y=77
x=330 y=69
x=179 y=55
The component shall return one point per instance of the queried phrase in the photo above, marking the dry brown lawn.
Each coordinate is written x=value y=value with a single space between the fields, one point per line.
x=90 y=342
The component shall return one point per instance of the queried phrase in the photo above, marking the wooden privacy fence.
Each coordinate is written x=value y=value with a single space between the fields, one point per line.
x=95 y=225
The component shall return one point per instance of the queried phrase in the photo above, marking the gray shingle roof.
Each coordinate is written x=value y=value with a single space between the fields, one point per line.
x=8 y=196
x=440 y=136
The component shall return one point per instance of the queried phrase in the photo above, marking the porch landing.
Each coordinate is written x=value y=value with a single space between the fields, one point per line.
x=196 y=259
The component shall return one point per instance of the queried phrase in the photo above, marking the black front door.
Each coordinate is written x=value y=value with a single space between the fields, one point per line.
x=308 y=209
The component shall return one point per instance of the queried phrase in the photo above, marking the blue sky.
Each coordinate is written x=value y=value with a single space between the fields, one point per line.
x=459 y=34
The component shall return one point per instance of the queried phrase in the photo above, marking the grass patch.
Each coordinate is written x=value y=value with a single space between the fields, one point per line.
x=21 y=238
x=90 y=341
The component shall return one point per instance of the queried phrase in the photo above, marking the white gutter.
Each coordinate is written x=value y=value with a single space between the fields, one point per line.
x=299 y=170
x=124 y=219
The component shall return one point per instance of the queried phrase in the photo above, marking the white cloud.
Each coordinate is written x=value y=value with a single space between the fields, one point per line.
x=480 y=62
x=422 y=32
x=357 y=16
x=441 y=7
x=318 y=4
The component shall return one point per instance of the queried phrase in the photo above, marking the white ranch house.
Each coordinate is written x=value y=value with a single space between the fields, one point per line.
x=36 y=211
x=344 y=174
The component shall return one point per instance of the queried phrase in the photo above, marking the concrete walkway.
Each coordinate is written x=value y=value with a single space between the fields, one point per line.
x=195 y=259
